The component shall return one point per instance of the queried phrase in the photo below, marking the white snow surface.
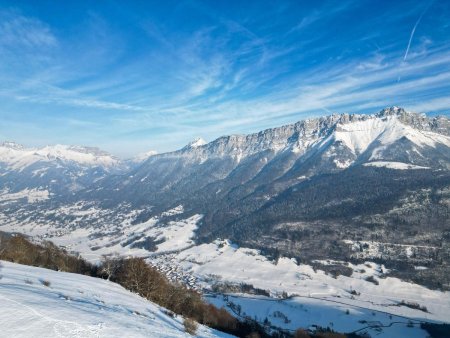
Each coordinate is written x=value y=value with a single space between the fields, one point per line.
x=231 y=263
x=360 y=135
x=79 y=306
x=306 y=311
x=394 y=165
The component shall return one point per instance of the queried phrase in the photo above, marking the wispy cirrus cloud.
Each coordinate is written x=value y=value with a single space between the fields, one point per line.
x=85 y=102
x=20 y=31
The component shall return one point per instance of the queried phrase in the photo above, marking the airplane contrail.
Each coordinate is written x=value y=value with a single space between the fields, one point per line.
x=414 y=30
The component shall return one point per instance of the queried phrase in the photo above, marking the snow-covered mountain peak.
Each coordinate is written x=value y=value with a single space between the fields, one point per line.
x=399 y=112
x=198 y=142
x=88 y=156
x=11 y=145
x=419 y=121
x=18 y=157
x=56 y=169
x=390 y=111
x=379 y=132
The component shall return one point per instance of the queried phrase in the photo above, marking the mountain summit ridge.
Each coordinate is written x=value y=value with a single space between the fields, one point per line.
x=385 y=127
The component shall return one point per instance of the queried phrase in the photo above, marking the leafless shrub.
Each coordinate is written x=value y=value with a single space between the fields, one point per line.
x=372 y=279
x=413 y=305
x=300 y=333
x=355 y=293
x=190 y=326
x=109 y=266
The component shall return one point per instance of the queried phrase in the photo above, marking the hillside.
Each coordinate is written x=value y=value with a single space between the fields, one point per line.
x=36 y=302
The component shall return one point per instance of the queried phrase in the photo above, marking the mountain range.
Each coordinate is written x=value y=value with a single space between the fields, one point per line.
x=310 y=190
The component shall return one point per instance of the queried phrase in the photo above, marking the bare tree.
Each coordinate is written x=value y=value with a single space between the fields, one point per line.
x=110 y=265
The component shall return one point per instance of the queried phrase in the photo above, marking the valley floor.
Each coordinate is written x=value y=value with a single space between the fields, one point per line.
x=367 y=301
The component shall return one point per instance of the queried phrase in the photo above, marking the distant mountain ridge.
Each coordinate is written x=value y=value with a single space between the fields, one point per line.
x=59 y=168
x=18 y=157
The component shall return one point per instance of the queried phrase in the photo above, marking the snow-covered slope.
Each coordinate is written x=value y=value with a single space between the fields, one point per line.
x=394 y=165
x=385 y=130
x=78 y=306
x=224 y=261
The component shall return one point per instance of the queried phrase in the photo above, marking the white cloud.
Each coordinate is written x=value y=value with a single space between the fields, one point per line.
x=23 y=32
x=439 y=104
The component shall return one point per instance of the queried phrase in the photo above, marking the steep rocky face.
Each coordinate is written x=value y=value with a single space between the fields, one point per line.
x=419 y=121
x=357 y=132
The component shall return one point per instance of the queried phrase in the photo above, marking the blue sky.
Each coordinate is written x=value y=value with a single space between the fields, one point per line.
x=131 y=76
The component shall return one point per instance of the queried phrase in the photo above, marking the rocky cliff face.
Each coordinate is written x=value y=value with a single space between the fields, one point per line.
x=301 y=135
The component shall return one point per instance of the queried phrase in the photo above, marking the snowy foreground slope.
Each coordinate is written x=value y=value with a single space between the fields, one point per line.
x=78 y=306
